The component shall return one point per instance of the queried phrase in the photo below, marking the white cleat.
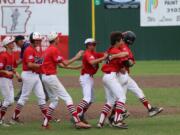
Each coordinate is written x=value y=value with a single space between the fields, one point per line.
x=99 y=125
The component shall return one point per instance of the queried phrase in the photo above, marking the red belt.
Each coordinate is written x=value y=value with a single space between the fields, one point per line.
x=87 y=74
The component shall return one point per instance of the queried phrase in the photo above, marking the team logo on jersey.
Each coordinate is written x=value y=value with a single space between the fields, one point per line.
x=1 y=64
x=38 y=60
x=31 y=57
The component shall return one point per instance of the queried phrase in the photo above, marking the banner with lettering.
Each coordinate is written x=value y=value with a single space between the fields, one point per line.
x=160 y=13
x=25 y=16
x=22 y=17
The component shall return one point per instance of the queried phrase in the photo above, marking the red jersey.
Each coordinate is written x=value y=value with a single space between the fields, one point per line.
x=125 y=48
x=113 y=65
x=7 y=62
x=87 y=68
x=52 y=58
x=32 y=55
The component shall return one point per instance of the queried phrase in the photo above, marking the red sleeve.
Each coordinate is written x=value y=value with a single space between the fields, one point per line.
x=57 y=58
x=114 y=51
x=29 y=55
x=99 y=55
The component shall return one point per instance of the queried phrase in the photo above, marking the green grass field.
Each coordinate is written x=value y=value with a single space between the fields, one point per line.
x=160 y=125
x=140 y=68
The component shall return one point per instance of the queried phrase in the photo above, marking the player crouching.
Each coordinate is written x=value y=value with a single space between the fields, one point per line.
x=56 y=90
x=7 y=71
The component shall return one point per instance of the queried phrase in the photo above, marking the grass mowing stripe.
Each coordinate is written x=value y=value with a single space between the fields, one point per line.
x=157 y=96
x=161 y=125
x=140 y=68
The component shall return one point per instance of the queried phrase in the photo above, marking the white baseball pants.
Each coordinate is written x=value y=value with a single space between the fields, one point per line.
x=87 y=84
x=31 y=82
x=7 y=91
x=129 y=84
x=56 y=90
x=113 y=89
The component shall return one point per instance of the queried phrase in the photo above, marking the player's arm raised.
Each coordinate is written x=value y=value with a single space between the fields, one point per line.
x=70 y=67
x=118 y=55
x=96 y=61
x=76 y=57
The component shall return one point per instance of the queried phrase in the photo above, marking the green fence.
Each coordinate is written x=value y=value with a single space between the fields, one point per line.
x=153 y=43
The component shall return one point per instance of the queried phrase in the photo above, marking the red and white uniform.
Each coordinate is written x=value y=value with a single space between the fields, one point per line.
x=125 y=79
x=87 y=67
x=30 y=77
x=52 y=59
x=49 y=69
x=54 y=87
x=113 y=90
x=87 y=72
x=7 y=62
x=86 y=79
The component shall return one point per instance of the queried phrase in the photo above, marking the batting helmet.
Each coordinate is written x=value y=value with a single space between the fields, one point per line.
x=35 y=36
x=129 y=37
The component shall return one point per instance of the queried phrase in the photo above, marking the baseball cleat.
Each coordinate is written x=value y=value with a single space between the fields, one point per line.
x=2 y=123
x=125 y=115
x=80 y=125
x=82 y=118
x=154 y=111
x=99 y=125
x=120 y=125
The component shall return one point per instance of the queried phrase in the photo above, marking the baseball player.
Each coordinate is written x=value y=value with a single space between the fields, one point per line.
x=32 y=63
x=56 y=90
x=90 y=65
x=23 y=44
x=113 y=89
x=7 y=71
x=127 y=82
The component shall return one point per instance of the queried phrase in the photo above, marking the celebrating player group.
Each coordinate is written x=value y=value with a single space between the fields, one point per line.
x=39 y=74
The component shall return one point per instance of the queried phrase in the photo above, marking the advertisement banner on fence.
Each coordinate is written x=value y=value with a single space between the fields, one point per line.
x=160 y=13
x=115 y=4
